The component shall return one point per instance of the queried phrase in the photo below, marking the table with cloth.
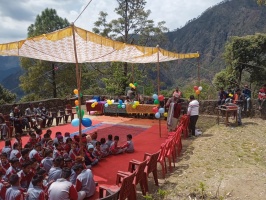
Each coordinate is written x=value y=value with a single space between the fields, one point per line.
x=140 y=109
x=99 y=107
x=113 y=109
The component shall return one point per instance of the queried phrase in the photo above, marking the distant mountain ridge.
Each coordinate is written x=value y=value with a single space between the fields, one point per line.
x=206 y=34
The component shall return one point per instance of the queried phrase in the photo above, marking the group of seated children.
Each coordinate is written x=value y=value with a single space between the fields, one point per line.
x=39 y=169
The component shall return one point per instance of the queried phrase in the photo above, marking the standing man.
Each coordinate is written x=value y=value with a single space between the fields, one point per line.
x=247 y=95
x=193 y=112
x=174 y=105
x=239 y=100
x=177 y=91
x=262 y=96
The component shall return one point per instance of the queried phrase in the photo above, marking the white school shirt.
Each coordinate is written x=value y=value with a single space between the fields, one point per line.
x=193 y=108
x=87 y=182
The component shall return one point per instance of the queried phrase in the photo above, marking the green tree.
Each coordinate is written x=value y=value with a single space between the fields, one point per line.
x=246 y=54
x=132 y=26
x=45 y=79
x=6 y=96
x=261 y=2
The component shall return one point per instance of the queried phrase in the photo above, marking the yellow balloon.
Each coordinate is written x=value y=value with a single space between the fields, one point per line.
x=93 y=105
x=165 y=114
x=76 y=91
x=134 y=106
x=137 y=103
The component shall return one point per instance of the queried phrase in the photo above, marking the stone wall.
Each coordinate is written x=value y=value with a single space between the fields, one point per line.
x=207 y=107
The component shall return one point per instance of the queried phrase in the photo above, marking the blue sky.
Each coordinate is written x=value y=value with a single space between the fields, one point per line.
x=17 y=15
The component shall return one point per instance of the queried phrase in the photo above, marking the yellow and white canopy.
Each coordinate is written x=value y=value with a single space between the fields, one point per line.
x=59 y=47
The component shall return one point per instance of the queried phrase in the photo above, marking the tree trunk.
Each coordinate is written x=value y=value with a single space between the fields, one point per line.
x=239 y=77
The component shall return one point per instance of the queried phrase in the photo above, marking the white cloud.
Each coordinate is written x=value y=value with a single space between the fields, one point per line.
x=17 y=15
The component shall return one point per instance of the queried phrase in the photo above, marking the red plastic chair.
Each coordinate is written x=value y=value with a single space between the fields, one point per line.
x=184 y=123
x=127 y=189
x=176 y=136
x=140 y=177
x=151 y=167
x=161 y=159
x=170 y=152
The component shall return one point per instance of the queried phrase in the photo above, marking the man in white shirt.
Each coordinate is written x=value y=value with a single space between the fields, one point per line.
x=193 y=112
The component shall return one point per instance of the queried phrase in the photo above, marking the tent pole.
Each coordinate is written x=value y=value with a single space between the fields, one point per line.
x=132 y=70
x=158 y=84
x=78 y=77
x=198 y=74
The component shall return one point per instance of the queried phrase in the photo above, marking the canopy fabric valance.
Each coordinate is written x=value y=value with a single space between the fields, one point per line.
x=58 y=46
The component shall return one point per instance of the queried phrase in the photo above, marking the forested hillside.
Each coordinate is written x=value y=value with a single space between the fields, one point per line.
x=208 y=33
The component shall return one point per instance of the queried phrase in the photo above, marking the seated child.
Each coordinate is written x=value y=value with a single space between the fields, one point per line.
x=109 y=140
x=24 y=156
x=89 y=158
x=38 y=134
x=97 y=153
x=94 y=138
x=32 y=139
x=75 y=151
x=36 y=192
x=129 y=146
x=104 y=147
x=114 y=148
x=14 y=192
x=4 y=164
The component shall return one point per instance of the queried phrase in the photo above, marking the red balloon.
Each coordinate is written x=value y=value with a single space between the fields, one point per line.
x=155 y=109
x=161 y=97
x=196 y=88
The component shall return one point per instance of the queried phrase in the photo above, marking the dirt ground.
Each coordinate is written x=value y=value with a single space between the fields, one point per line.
x=222 y=163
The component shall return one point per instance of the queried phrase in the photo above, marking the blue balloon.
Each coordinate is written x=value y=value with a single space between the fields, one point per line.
x=123 y=106
x=75 y=122
x=120 y=101
x=106 y=105
x=155 y=96
x=86 y=122
x=161 y=110
x=157 y=115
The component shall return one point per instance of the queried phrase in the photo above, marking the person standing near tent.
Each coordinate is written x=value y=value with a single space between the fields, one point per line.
x=174 y=105
x=193 y=112
x=177 y=91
